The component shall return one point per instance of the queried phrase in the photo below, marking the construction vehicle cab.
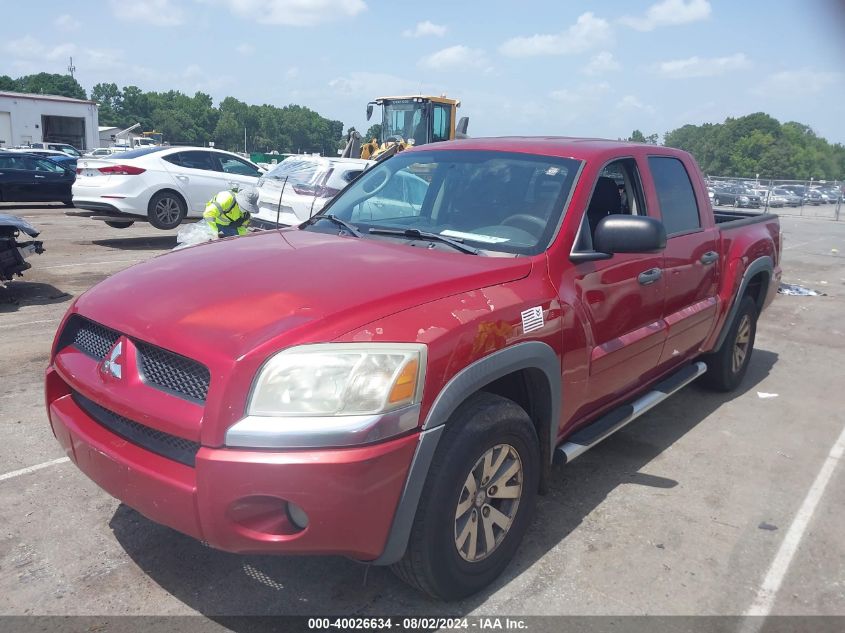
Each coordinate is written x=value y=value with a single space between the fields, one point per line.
x=413 y=120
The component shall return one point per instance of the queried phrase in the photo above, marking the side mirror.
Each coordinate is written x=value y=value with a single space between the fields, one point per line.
x=369 y=111
x=629 y=234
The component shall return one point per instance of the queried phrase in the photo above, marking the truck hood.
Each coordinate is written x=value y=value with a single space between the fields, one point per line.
x=224 y=299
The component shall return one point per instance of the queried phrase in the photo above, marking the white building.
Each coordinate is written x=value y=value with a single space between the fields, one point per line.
x=32 y=118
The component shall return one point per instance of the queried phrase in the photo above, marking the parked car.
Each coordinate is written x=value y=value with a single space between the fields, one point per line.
x=15 y=249
x=776 y=200
x=813 y=197
x=70 y=150
x=736 y=196
x=829 y=195
x=104 y=152
x=300 y=186
x=395 y=389
x=29 y=178
x=792 y=200
x=161 y=185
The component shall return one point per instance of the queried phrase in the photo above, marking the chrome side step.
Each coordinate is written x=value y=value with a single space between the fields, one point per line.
x=586 y=438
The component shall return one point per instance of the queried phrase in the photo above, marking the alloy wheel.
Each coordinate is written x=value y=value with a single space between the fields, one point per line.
x=743 y=338
x=488 y=502
x=167 y=210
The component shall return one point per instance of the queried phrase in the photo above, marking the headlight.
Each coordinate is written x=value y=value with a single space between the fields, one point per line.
x=743 y=198
x=337 y=379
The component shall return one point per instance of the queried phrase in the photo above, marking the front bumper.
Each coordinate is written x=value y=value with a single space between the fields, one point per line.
x=236 y=499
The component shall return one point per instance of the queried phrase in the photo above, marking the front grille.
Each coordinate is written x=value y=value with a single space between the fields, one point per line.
x=88 y=337
x=170 y=446
x=159 y=368
x=173 y=372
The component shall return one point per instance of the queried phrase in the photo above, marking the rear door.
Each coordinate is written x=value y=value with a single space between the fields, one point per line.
x=691 y=260
x=198 y=176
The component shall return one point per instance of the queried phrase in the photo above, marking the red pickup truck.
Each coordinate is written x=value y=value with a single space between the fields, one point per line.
x=392 y=380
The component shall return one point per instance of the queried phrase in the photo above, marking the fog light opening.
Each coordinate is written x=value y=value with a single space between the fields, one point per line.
x=297 y=516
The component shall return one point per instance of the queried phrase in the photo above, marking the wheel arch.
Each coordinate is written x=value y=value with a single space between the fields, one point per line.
x=760 y=272
x=528 y=373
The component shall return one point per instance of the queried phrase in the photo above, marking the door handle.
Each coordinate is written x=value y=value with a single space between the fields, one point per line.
x=709 y=257
x=182 y=178
x=37 y=176
x=648 y=277
x=233 y=183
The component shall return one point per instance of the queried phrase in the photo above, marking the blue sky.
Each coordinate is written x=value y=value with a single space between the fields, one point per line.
x=577 y=68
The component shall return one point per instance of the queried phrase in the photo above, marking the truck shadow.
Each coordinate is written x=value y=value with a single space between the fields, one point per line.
x=29 y=293
x=221 y=585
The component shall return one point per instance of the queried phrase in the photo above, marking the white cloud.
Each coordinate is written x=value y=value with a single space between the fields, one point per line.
x=296 y=12
x=583 y=94
x=602 y=63
x=456 y=58
x=669 y=13
x=799 y=83
x=422 y=29
x=292 y=72
x=155 y=12
x=367 y=85
x=245 y=49
x=66 y=22
x=703 y=66
x=587 y=33
x=630 y=102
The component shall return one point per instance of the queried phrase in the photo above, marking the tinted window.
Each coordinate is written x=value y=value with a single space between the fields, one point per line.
x=189 y=160
x=678 y=205
x=232 y=165
x=43 y=164
x=11 y=162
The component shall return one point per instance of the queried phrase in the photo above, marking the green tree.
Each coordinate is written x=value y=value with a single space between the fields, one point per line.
x=51 y=84
x=7 y=83
x=374 y=132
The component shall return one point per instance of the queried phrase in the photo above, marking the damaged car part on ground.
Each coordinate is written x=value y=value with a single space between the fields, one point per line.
x=412 y=422
x=13 y=250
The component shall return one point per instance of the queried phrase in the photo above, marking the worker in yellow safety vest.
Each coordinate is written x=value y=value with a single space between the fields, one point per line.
x=228 y=212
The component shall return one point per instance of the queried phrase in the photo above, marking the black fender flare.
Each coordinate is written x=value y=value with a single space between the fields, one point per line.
x=761 y=264
x=472 y=378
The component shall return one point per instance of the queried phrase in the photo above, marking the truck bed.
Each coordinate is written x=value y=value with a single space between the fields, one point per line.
x=741 y=218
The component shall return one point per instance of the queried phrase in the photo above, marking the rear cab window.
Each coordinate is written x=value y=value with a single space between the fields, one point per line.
x=675 y=195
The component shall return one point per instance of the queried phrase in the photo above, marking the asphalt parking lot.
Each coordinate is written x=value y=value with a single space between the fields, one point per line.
x=710 y=504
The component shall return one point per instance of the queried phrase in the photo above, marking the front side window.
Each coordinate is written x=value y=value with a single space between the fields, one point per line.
x=48 y=165
x=494 y=201
x=404 y=120
x=678 y=206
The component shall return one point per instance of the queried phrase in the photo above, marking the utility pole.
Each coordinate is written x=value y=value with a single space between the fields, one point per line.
x=71 y=68
x=244 y=139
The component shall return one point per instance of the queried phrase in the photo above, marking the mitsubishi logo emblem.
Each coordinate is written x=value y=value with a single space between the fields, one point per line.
x=111 y=365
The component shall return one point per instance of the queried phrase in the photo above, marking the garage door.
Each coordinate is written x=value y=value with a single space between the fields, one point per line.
x=5 y=129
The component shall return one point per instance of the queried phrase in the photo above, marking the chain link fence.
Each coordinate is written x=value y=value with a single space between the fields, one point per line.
x=807 y=207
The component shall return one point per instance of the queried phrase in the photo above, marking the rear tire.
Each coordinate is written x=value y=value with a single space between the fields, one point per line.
x=166 y=210
x=119 y=225
x=481 y=487
x=726 y=367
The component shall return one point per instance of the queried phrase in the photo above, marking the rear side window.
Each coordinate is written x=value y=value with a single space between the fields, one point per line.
x=675 y=194
x=191 y=160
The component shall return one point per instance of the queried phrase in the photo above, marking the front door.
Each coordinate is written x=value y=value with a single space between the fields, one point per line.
x=622 y=296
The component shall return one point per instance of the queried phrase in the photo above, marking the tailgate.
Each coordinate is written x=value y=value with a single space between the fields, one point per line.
x=88 y=172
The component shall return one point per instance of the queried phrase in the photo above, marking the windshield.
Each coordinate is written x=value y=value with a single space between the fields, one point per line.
x=495 y=201
x=297 y=171
x=405 y=120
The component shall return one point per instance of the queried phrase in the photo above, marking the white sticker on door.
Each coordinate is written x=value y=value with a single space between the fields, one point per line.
x=532 y=319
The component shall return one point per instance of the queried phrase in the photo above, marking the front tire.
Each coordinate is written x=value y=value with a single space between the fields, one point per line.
x=119 y=225
x=166 y=210
x=478 y=499
x=726 y=367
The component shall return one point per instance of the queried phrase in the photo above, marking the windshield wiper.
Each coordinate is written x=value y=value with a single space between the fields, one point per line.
x=417 y=234
x=333 y=218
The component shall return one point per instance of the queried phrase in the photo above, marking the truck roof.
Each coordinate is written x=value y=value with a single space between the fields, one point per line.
x=563 y=146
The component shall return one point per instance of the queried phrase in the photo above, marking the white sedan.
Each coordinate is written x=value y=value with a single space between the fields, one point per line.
x=162 y=185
